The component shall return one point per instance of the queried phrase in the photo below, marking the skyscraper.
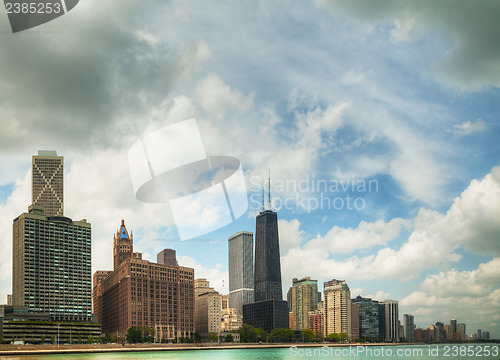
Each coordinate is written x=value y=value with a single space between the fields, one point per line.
x=409 y=327
x=391 y=312
x=368 y=318
x=52 y=265
x=269 y=311
x=47 y=176
x=303 y=299
x=241 y=281
x=267 y=257
x=337 y=307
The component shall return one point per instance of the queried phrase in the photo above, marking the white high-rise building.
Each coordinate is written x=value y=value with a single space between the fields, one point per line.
x=337 y=307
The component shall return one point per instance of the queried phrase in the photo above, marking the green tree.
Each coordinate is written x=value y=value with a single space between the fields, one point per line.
x=281 y=335
x=148 y=334
x=229 y=338
x=134 y=335
x=52 y=339
x=318 y=336
x=261 y=334
x=90 y=340
x=1 y=339
x=213 y=337
x=333 y=337
x=107 y=337
x=247 y=333
x=307 y=335
x=343 y=337
x=197 y=337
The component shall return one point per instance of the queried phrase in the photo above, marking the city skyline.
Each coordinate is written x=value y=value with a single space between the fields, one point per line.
x=379 y=124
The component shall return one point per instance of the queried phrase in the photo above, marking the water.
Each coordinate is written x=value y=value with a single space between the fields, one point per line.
x=424 y=352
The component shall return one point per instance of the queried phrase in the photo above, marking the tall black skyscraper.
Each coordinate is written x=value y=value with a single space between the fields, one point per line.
x=269 y=311
x=267 y=258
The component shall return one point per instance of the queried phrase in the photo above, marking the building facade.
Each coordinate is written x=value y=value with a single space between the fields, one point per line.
x=409 y=327
x=267 y=258
x=354 y=321
x=269 y=311
x=142 y=293
x=241 y=276
x=208 y=308
x=337 y=307
x=303 y=299
x=368 y=318
x=208 y=313
x=391 y=313
x=47 y=188
x=52 y=268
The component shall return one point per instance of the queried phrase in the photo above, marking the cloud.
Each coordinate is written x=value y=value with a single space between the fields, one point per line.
x=432 y=243
x=461 y=295
x=289 y=234
x=469 y=63
x=469 y=127
x=217 y=276
x=90 y=84
x=365 y=236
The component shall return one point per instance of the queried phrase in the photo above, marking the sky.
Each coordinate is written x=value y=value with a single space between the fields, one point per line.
x=378 y=121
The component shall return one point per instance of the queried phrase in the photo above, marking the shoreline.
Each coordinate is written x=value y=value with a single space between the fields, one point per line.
x=17 y=350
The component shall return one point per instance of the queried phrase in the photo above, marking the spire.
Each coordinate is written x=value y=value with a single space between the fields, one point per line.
x=263 y=207
x=269 y=189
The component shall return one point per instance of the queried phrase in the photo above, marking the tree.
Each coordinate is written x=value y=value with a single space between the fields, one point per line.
x=213 y=337
x=107 y=337
x=247 y=333
x=90 y=340
x=1 y=339
x=52 y=339
x=197 y=337
x=134 y=335
x=318 y=335
x=282 y=334
x=333 y=337
x=229 y=338
x=343 y=337
x=261 y=334
x=307 y=335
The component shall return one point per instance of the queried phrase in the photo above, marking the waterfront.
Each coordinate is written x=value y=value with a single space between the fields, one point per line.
x=451 y=351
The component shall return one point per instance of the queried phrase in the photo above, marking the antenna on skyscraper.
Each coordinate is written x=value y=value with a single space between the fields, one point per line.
x=269 y=189
x=263 y=208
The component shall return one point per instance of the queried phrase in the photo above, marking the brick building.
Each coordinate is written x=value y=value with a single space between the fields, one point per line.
x=142 y=293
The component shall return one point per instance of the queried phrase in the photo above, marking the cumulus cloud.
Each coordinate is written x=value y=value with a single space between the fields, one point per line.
x=461 y=295
x=432 y=243
x=365 y=236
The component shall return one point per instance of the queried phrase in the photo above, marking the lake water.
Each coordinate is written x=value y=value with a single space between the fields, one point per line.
x=434 y=352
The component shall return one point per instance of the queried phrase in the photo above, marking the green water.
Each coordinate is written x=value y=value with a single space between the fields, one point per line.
x=435 y=352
